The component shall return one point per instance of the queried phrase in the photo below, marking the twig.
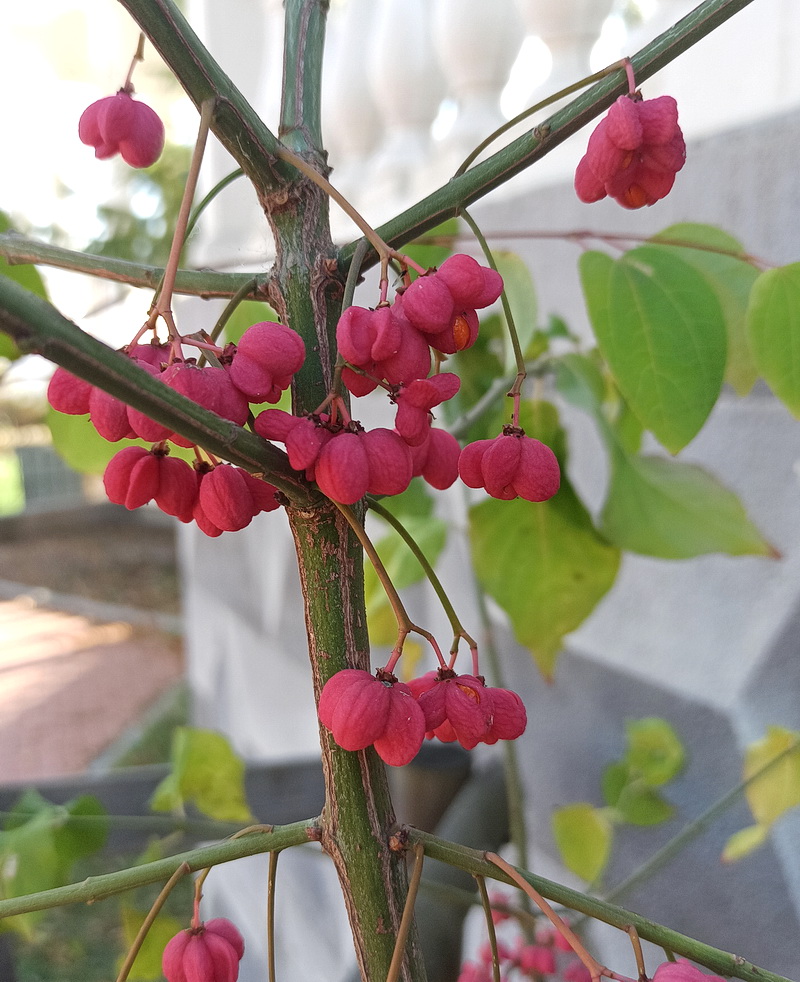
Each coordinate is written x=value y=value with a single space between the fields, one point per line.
x=153 y=913
x=408 y=916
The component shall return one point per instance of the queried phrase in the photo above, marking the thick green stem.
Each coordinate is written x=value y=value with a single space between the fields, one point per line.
x=358 y=820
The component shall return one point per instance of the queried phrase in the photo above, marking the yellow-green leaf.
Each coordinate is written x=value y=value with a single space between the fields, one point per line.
x=655 y=752
x=147 y=966
x=521 y=296
x=583 y=835
x=79 y=444
x=429 y=254
x=247 y=313
x=207 y=773
x=430 y=534
x=743 y=842
x=778 y=790
x=27 y=276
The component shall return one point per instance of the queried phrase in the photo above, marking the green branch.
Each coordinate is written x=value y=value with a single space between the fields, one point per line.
x=478 y=181
x=722 y=962
x=18 y=249
x=99 y=887
x=284 y=836
x=37 y=327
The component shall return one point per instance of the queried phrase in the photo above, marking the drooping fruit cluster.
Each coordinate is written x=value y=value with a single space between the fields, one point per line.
x=120 y=124
x=437 y=311
x=391 y=346
x=363 y=710
x=345 y=460
x=217 y=496
x=210 y=952
x=548 y=955
x=634 y=153
x=511 y=465
x=348 y=461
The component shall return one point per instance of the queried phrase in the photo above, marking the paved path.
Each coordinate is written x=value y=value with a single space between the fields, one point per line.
x=71 y=684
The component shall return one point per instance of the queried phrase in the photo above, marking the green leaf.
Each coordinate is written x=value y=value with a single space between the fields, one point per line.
x=627 y=793
x=660 y=328
x=414 y=502
x=665 y=508
x=773 y=326
x=627 y=429
x=644 y=806
x=656 y=506
x=247 y=313
x=521 y=296
x=429 y=256
x=614 y=781
x=74 y=840
x=79 y=444
x=206 y=773
x=775 y=792
x=29 y=863
x=8 y=349
x=580 y=381
x=567 y=566
x=147 y=966
x=27 y=276
x=583 y=835
x=743 y=842
x=430 y=534
x=655 y=752
x=722 y=261
x=39 y=846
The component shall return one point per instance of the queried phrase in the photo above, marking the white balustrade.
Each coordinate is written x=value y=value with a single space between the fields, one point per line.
x=570 y=31
x=408 y=89
x=350 y=119
x=477 y=44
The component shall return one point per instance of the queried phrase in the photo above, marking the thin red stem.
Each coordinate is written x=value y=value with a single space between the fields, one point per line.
x=138 y=56
x=631 y=77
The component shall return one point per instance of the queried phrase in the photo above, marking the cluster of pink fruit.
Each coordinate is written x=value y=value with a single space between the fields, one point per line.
x=218 y=497
x=390 y=346
x=634 y=153
x=347 y=461
x=344 y=459
x=550 y=955
x=363 y=710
